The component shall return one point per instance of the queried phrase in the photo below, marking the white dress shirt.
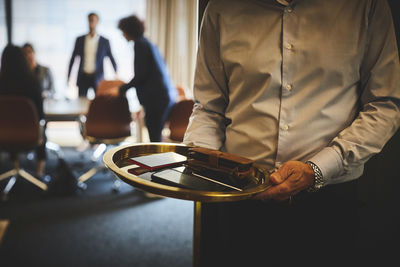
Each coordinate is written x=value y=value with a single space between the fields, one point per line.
x=311 y=80
x=89 y=62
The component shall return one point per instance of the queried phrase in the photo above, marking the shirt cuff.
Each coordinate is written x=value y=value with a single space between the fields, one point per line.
x=330 y=163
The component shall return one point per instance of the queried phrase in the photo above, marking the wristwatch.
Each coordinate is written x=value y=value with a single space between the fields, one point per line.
x=318 y=178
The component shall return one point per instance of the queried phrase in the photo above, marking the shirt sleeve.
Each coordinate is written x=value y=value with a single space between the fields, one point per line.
x=379 y=115
x=207 y=124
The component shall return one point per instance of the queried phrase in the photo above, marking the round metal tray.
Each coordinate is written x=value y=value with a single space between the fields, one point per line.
x=116 y=159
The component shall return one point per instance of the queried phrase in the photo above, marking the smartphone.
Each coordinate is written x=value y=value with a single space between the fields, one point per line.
x=158 y=161
x=176 y=178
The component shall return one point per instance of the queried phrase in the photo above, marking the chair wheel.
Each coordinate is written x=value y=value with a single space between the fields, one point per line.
x=47 y=179
x=82 y=186
x=116 y=186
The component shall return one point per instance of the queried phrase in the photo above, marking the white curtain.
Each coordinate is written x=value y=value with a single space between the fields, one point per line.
x=172 y=26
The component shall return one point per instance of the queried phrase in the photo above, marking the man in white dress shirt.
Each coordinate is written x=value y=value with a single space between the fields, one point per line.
x=92 y=48
x=310 y=89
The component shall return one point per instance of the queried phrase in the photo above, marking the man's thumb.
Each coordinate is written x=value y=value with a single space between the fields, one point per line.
x=276 y=178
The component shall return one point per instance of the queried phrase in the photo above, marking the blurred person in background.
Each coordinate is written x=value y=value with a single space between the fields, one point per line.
x=42 y=73
x=92 y=48
x=154 y=87
x=16 y=78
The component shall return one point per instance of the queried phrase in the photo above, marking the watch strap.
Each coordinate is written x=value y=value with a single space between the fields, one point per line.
x=318 y=178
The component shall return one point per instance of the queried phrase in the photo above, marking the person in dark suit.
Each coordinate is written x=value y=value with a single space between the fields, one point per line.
x=92 y=49
x=154 y=87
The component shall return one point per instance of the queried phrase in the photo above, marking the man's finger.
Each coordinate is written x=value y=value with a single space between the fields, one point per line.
x=276 y=178
x=275 y=192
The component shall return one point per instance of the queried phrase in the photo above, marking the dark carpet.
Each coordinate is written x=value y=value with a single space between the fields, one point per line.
x=93 y=227
x=99 y=227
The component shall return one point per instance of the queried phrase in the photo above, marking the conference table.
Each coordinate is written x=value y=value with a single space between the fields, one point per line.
x=66 y=109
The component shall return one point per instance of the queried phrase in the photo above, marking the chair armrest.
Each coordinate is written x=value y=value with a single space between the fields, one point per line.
x=42 y=128
x=82 y=125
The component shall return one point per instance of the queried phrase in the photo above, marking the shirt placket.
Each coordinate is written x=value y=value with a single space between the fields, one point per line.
x=288 y=50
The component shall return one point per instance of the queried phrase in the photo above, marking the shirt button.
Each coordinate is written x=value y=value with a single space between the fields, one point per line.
x=288 y=46
x=285 y=127
x=288 y=87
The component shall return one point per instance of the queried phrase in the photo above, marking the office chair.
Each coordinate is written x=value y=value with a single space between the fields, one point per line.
x=178 y=120
x=111 y=88
x=20 y=132
x=106 y=123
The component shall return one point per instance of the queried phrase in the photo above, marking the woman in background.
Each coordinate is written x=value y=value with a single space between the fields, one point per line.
x=17 y=79
x=154 y=88
x=42 y=73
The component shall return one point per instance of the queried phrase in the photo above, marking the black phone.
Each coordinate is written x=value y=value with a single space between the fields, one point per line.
x=177 y=178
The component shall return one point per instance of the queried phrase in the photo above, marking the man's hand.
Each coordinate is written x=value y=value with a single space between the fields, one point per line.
x=291 y=178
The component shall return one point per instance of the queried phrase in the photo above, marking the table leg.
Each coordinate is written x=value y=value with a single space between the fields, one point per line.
x=139 y=130
x=139 y=121
x=196 y=234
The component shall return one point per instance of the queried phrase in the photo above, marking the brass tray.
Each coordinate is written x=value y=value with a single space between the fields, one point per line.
x=116 y=159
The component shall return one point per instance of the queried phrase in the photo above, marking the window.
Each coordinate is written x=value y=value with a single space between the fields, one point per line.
x=3 y=28
x=52 y=27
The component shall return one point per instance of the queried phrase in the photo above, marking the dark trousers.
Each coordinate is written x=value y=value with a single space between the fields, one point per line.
x=86 y=81
x=316 y=229
x=155 y=117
